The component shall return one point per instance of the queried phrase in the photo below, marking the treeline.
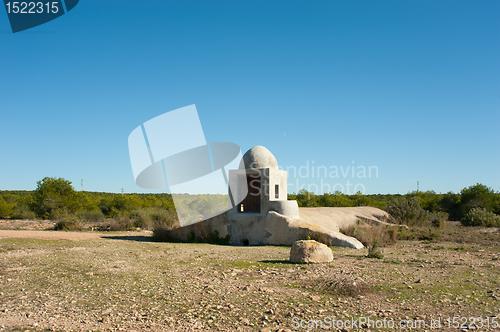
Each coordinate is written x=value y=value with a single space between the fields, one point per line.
x=55 y=198
x=475 y=205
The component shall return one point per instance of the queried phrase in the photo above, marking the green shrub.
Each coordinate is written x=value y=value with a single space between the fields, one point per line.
x=407 y=212
x=368 y=234
x=121 y=223
x=141 y=219
x=22 y=212
x=405 y=234
x=163 y=218
x=91 y=216
x=21 y=209
x=481 y=217
x=120 y=204
x=478 y=196
x=54 y=194
x=437 y=219
x=65 y=221
x=6 y=209
x=374 y=251
x=68 y=225
x=427 y=236
x=154 y=218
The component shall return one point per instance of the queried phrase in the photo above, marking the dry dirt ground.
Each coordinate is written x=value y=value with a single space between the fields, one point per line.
x=82 y=281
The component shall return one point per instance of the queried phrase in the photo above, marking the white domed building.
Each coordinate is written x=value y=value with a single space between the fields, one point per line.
x=259 y=212
x=257 y=188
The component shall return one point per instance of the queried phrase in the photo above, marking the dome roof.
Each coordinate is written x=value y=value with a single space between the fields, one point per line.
x=258 y=157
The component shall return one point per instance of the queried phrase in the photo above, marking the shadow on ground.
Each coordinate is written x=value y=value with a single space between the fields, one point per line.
x=138 y=238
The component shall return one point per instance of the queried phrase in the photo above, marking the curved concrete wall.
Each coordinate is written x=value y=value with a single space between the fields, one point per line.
x=286 y=208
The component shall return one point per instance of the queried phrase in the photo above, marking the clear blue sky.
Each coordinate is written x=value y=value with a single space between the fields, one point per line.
x=411 y=87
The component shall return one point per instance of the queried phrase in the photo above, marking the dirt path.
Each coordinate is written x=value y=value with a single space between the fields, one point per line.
x=58 y=235
x=122 y=281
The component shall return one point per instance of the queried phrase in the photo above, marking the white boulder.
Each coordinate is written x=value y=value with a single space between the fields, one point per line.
x=310 y=251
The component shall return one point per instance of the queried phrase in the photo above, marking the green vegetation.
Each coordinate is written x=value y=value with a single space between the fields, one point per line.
x=56 y=199
x=481 y=217
x=407 y=212
x=374 y=251
x=160 y=234
x=416 y=207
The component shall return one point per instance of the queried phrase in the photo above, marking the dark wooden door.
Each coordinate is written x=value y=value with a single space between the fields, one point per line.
x=251 y=203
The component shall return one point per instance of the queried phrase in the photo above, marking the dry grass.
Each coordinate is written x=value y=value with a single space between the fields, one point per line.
x=368 y=234
x=341 y=286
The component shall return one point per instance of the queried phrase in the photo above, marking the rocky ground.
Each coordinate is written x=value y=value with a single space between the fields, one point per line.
x=62 y=281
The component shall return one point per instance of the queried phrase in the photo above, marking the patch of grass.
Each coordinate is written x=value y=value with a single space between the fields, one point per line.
x=344 y=286
x=429 y=236
x=374 y=251
x=368 y=234
x=294 y=285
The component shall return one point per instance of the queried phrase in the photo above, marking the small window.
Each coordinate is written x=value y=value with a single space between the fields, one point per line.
x=277 y=191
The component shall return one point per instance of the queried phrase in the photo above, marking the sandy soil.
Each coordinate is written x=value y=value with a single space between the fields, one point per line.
x=49 y=235
x=67 y=281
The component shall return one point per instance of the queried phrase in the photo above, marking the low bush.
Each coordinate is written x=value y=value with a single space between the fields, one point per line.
x=154 y=218
x=438 y=219
x=374 y=251
x=6 y=208
x=91 y=216
x=68 y=225
x=22 y=212
x=405 y=234
x=65 y=221
x=121 y=223
x=163 y=218
x=22 y=209
x=481 y=217
x=141 y=219
x=407 y=212
x=368 y=234
x=429 y=236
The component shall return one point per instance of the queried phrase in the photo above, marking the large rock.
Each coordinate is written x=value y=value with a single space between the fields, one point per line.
x=334 y=218
x=310 y=251
x=282 y=230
